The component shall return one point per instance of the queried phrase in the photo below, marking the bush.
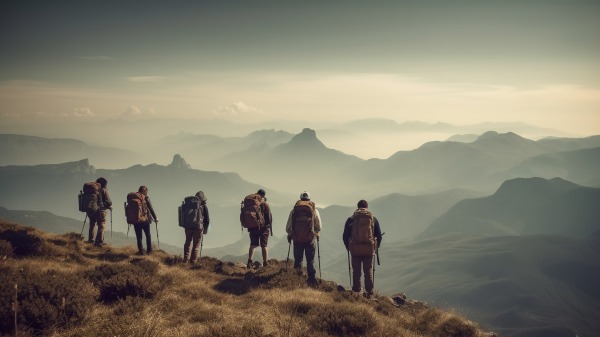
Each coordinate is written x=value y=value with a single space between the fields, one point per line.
x=6 y=249
x=46 y=300
x=23 y=241
x=247 y=329
x=342 y=320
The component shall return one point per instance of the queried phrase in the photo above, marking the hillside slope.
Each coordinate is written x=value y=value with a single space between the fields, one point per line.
x=67 y=288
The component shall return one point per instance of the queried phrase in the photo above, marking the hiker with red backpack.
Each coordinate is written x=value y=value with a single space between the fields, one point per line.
x=140 y=213
x=255 y=215
x=362 y=238
x=94 y=200
x=303 y=227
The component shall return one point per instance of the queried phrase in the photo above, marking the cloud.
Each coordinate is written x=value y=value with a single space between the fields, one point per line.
x=133 y=111
x=236 y=109
x=80 y=112
x=145 y=79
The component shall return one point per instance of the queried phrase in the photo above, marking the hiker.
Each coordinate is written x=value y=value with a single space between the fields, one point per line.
x=144 y=225
x=98 y=218
x=196 y=227
x=303 y=227
x=256 y=217
x=362 y=237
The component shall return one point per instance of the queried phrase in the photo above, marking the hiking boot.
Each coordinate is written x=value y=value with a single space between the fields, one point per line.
x=192 y=261
x=89 y=241
x=265 y=263
x=249 y=264
x=100 y=244
x=185 y=260
x=311 y=281
x=298 y=271
x=140 y=253
x=148 y=252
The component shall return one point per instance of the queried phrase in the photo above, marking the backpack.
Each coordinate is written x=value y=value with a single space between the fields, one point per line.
x=303 y=216
x=136 y=210
x=190 y=213
x=90 y=198
x=362 y=235
x=250 y=213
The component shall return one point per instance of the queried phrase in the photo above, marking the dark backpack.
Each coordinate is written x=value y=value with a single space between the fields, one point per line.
x=250 y=213
x=90 y=198
x=362 y=234
x=136 y=210
x=303 y=218
x=190 y=213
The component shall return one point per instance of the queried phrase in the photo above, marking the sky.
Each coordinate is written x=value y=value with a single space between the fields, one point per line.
x=458 y=62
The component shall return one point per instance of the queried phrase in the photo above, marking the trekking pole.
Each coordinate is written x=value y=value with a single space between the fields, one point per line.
x=373 y=272
x=288 y=256
x=319 y=255
x=128 y=224
x=82 y=227
x=111 y=224
x=349 y=272
x=157 y=237
x=201 y=245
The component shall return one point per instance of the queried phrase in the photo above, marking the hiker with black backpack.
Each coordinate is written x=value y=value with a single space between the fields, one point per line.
x=94 y=200
x=193 y=216
x=362 y=238
x=140 y=213
x=303 y=227
x=255 y=215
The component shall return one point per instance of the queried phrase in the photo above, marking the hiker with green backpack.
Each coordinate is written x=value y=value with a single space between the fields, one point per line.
x=94 y=200
x=303 y=227
x=140 y=213
x=194 y=218
x=362 y=238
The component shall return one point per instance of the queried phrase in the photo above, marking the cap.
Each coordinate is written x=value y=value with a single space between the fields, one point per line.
x=261 y=192
x=305 y=196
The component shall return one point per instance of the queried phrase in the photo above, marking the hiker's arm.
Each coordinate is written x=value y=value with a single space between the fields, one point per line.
x=206 y=216
x=378 y=234
x=288 y=226
x=318 y=224
x=106 y=199
x=151 y=209
x=267 y=213
x=346 y=235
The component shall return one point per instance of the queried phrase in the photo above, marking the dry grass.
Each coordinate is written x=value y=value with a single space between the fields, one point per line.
x=111 y=292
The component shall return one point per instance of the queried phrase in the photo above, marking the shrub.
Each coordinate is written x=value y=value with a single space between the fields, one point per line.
x=126 y=285
x=342 y=320
x=6 y=249
x=228 y=329
x=23 y=241
x=46 y=300
x=148 y=267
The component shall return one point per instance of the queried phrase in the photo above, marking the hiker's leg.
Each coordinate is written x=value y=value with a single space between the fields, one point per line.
x=93 y=221
x=196 y=235
x=101 y=226
x=254 y=242
x=138 y=236
x=264 y=239
x=298 y=255
x=186 y=246
x=356 y=266
x=146 y=229
x=368 y=270
x=310 y=259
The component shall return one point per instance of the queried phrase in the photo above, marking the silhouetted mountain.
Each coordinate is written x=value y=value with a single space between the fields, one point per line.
x=569 y=144
x=30 y=150
x=303 y=163
x=524 y=286
x=524 y=206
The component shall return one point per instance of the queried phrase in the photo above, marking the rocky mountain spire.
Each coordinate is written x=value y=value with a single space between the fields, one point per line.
x=179 y=162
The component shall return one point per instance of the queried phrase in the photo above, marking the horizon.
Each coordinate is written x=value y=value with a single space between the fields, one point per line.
x=312 y=64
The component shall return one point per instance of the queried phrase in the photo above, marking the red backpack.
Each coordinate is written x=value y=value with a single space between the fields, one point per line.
x=303 y=221
x=136 y=210
x=250 y=214
x=362 y=235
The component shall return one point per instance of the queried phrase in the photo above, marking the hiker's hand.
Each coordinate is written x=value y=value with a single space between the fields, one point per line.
x=289 y=239
x=156 y=220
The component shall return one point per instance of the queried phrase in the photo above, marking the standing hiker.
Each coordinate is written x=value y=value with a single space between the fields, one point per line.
x=193 y=216
x=140 y=213
x=255 y=215
x=98 y=217
x=362 y=237
x=303 y=226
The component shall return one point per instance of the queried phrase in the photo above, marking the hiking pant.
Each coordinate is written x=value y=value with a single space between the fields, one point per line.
x=97 y=219
x=192 y=235
x=367 y=267
x=145 y=227
x=308 y=249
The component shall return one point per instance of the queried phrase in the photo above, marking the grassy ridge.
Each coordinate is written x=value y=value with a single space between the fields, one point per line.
x=69 y=288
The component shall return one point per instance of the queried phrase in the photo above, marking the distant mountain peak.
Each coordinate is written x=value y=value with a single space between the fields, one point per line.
x=179 y=162
x=308 y=137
